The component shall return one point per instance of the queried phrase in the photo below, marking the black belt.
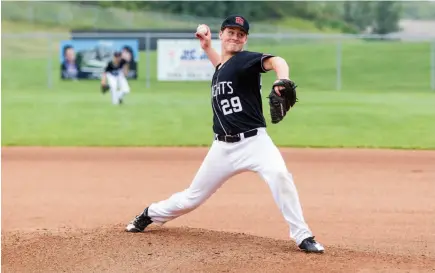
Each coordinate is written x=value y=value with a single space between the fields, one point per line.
x=236 y=138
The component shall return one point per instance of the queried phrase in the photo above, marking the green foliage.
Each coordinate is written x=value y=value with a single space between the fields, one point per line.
x=387 y=15
x=89 y=15
x=418 y=10
x=347 y=16
x=358 y=14
x=381 y=16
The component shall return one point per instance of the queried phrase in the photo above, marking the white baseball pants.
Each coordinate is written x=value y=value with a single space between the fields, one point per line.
x=258 y=154
x=118 y=86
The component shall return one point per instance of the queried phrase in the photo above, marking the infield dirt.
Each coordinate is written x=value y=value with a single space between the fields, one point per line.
x=65 y=209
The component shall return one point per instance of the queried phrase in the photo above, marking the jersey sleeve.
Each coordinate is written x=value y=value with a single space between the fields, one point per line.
x=108 y=67
x=253 y=61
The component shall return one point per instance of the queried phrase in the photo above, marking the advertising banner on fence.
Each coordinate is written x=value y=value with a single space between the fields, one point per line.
x=184 y=60
x=87 y=59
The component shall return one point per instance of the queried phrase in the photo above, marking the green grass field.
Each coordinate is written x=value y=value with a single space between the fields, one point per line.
x=79 y=115
x=385 y=101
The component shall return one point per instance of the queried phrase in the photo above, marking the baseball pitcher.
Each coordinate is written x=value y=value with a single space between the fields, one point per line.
x=241 y=142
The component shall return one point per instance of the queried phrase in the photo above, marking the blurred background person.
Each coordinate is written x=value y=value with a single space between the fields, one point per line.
x=69 y=67
x=114 y=78
x=128 y=56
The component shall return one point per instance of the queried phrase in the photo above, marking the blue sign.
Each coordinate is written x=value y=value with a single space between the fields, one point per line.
x=87 y=59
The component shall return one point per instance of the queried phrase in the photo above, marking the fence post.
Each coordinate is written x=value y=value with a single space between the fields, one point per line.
x=339 y=56
x=147 y=59
x=432 y=66
x=50 y=63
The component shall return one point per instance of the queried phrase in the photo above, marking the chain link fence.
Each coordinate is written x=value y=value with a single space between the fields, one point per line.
x=318 y=62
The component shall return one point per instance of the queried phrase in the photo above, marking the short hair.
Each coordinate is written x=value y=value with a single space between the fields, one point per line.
x=66 y=47
x=130 y=50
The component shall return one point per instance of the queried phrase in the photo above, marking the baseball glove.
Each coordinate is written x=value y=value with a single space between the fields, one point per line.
x=280 y=105
x=104 y=88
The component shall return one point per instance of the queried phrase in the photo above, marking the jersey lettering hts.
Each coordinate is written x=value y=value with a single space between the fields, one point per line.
x=236 y=97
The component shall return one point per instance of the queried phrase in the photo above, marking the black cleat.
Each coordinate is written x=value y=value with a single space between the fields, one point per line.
x=139 y=223
x=310 y=245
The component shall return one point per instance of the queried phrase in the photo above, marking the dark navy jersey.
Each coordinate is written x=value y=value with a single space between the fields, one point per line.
x=115 y=69
x=236 y=94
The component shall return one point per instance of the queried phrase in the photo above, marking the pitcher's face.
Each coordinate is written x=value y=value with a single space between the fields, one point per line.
x=233 y=39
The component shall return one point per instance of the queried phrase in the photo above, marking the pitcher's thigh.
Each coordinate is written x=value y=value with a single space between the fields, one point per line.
x=267 y=157
x=213 y=172
x=270 y=165
x=123 y=83
x=111 y=80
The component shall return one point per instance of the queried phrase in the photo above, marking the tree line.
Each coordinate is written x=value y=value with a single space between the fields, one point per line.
x=419 y=10
x=378 y=17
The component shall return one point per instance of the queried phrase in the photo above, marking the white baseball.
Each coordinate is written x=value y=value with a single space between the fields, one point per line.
x=202 y=29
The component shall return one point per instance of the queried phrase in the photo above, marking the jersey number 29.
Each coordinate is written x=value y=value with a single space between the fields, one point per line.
x=232 y=105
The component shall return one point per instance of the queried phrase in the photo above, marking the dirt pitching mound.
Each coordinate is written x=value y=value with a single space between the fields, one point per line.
x=65 y=209
x=184 y=250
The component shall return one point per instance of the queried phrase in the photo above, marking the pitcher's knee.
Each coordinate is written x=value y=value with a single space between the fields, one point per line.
x=280 y=174
x=281 y=182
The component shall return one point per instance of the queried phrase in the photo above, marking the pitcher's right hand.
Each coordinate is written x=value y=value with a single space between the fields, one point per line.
x=204 y=39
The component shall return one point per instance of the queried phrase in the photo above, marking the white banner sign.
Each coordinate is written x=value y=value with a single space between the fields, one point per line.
x=184 y=60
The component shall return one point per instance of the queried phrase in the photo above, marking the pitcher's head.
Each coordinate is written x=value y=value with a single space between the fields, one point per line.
x=234 y=33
